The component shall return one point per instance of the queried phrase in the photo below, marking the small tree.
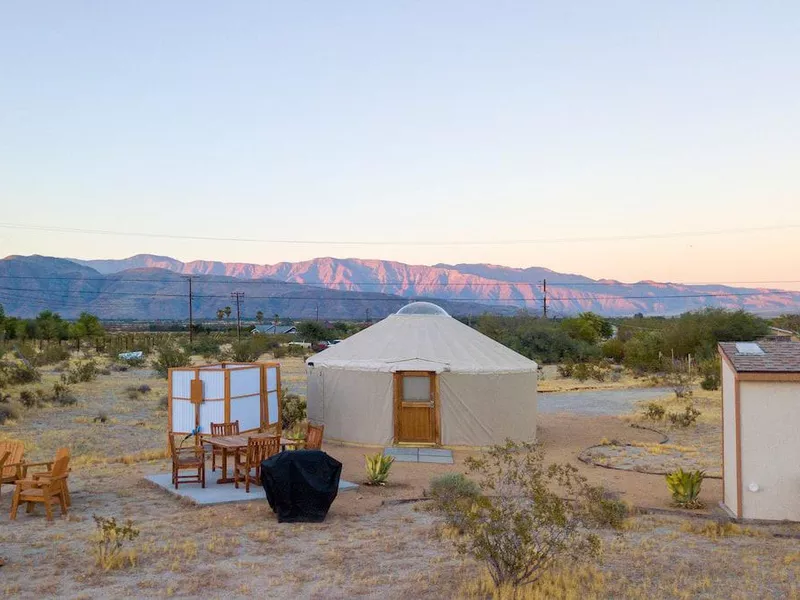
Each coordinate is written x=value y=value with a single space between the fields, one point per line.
x=520 y=526
x=679 y=378
x=220 y=314
x=260 y=317
x=312 y=331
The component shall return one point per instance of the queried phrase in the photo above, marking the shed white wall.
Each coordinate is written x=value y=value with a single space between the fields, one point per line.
x=729 y=437
x=770 y=413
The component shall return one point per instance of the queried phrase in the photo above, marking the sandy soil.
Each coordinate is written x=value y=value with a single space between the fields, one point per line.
x=365 y=549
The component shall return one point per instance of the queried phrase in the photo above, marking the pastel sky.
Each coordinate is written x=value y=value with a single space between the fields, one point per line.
x=408 y=121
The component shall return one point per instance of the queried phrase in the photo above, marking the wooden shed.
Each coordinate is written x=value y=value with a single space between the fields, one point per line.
x=761 y=429
x=224 y=392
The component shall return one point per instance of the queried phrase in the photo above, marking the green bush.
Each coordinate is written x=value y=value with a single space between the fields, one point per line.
x=7 y=412
x=654 y=411
x=293 y=409
x=28 y=398
x=710 y=373
x=686 y=418
x=585 y=371
x=377 y=467
x=451 y=487
x=52 y=354
x=62 y=395
x=279 y=352
x=206 y=346
x=81 y=372
x=685 y=487
x=18 y=373
x=519 y=526
x=244 y=352
x=604 y=508
x=566 y=369
x=170 y=356
x=613 y=349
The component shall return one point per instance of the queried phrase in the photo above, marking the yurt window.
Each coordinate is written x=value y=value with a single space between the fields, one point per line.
x=416 y=389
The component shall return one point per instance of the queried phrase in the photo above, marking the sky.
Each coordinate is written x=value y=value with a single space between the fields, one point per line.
x=400 y=125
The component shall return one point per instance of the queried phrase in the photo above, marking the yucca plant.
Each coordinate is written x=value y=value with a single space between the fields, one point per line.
x=377 y=467
x=685 y=487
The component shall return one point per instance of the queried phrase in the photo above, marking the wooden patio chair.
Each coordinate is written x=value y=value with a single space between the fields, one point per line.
x=314 y=437
x=274 y=429
x=47 y=491
x=191 y=458
x=48 y=472
x=247 y=465
x=218 y=429
x=11 y=453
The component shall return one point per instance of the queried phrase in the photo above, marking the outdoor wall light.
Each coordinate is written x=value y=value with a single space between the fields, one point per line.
x=753 y=487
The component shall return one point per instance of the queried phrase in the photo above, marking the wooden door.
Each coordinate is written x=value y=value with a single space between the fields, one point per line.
x=416 y=413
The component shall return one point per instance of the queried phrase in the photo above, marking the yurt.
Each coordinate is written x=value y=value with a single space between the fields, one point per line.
x=422 y=377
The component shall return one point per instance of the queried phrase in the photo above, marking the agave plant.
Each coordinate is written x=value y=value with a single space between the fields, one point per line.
x=685 y=487
x=377 y=467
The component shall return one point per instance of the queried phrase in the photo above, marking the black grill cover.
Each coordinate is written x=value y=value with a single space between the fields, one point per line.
x=301 y=485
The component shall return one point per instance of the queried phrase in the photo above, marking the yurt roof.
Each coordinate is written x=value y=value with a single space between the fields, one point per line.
x=422 y=338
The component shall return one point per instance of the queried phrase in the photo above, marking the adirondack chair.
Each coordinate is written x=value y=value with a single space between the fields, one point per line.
x=247 y=467
x=221 y=429
x=47 y=491
x=314 y=437
x=48 y=472
x=10 y=462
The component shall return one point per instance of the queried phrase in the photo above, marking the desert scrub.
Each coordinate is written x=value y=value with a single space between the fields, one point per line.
x=686 y=418
x=518 y=527
x=604 y=508
x=377 y=467
x=654 y=411
x=293 y=409
x=451 y=487
x=685 y=488
x=81 y=372
x=170 y=356
x=108 y=541
x=8 y=412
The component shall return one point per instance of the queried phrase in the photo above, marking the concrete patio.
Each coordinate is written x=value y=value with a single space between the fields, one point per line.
x=215 y=493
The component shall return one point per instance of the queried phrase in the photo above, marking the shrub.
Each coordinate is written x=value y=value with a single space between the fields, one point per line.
x=50 y=355
x=679 y=379
x=7 y=412
x=293 y=409
x=28 y=398
x=62 y=395
x=452 y=487
x=279 y=352
x=132 y=393
x=207 y=347
x=685 y=487
x=119 y=367
x=19 y=373
x=519 y=527
x=566 y=369
x=710 y=371
x=108 y=541
x=169 y=357
x=604 y=508
x=82 y=372
x=244 y=352
x=584 y=371
x=377 y=467
x=102 y=417
x=133 y=362
x=144 y=388
x=686 y=418
x=654 y=411
x=104 y=371
x=163 y=403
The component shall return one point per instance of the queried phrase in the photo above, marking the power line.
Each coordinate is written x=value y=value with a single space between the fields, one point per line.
x=78 y=230
x=237 y=281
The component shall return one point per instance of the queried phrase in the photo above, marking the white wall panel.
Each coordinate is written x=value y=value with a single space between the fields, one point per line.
x=247 y=411
x=182 y=416
x=272 y=378
x=211 y=411
x=213 y=384
x=272 y=407
x=180 y=383
x=245 y=382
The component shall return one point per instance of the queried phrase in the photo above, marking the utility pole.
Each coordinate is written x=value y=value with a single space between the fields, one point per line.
x=366 y=314
x=238 y=296
x=544 y=298
x=191 y=325
x=317 y=311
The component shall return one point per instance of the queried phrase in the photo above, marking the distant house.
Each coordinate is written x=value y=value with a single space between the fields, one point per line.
x=272 y=329
x=760 y=421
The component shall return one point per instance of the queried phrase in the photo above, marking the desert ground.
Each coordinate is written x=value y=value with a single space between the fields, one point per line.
x=372 y=545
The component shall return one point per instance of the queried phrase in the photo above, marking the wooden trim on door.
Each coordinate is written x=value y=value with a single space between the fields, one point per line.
x=437 y=430
x=397 y=381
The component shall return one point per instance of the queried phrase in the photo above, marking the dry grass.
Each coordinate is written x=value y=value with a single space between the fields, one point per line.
x=551 y=381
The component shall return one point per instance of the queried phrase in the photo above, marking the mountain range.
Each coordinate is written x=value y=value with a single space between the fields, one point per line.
x=154 y=287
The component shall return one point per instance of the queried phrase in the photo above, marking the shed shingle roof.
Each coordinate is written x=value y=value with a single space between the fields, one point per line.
x=778 y=357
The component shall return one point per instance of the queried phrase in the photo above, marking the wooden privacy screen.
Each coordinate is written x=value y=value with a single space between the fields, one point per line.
x=224 y=392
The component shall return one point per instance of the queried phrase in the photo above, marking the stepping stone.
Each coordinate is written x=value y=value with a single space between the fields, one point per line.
x=435 y=452
x=395 y=451
x=404 y=457
x=445 y=460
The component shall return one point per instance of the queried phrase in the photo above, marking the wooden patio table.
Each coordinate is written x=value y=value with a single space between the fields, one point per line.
x=235 y=444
